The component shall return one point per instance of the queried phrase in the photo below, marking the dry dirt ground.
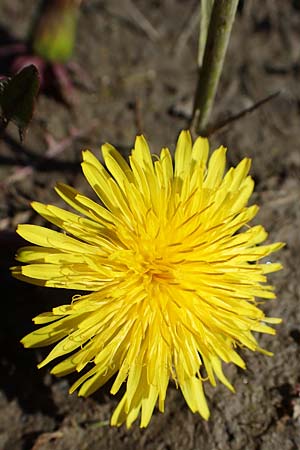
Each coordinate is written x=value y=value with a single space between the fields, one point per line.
x=142 y=73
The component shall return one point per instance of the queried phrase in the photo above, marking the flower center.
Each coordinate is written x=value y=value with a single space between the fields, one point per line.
x=151 y=266
x=157 y=271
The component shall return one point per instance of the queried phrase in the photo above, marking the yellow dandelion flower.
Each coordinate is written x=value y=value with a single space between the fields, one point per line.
x=172 y=268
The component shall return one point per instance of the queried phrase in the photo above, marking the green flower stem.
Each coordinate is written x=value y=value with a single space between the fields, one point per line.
x=54 y=29
x=205 y=14
x=221 y=21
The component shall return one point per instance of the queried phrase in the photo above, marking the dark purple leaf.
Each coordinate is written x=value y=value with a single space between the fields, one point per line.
x=17 y=98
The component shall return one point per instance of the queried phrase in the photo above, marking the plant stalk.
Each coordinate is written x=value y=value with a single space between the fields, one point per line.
x=205 y=14
x=221 y=21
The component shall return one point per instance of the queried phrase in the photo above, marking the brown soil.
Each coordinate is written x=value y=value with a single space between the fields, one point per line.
x=145 y=78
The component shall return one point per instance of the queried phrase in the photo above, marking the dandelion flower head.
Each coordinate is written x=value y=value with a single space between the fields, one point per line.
x=171 y=267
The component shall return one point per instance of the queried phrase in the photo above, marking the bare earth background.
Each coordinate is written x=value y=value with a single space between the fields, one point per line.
x=144 y=76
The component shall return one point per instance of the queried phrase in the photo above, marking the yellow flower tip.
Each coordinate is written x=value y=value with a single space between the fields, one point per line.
x=185 y=135
x=24 y=342
x=172 y=267
x=42 y=364
x=265 y=352
x=85 y=152
x=34 y=204
x=87 y=157
x=140 y=141
x=18 y=229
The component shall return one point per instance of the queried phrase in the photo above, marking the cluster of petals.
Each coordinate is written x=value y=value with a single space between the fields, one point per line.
x=172 y=269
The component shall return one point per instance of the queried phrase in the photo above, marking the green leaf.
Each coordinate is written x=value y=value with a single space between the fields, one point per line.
x=17 y=98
